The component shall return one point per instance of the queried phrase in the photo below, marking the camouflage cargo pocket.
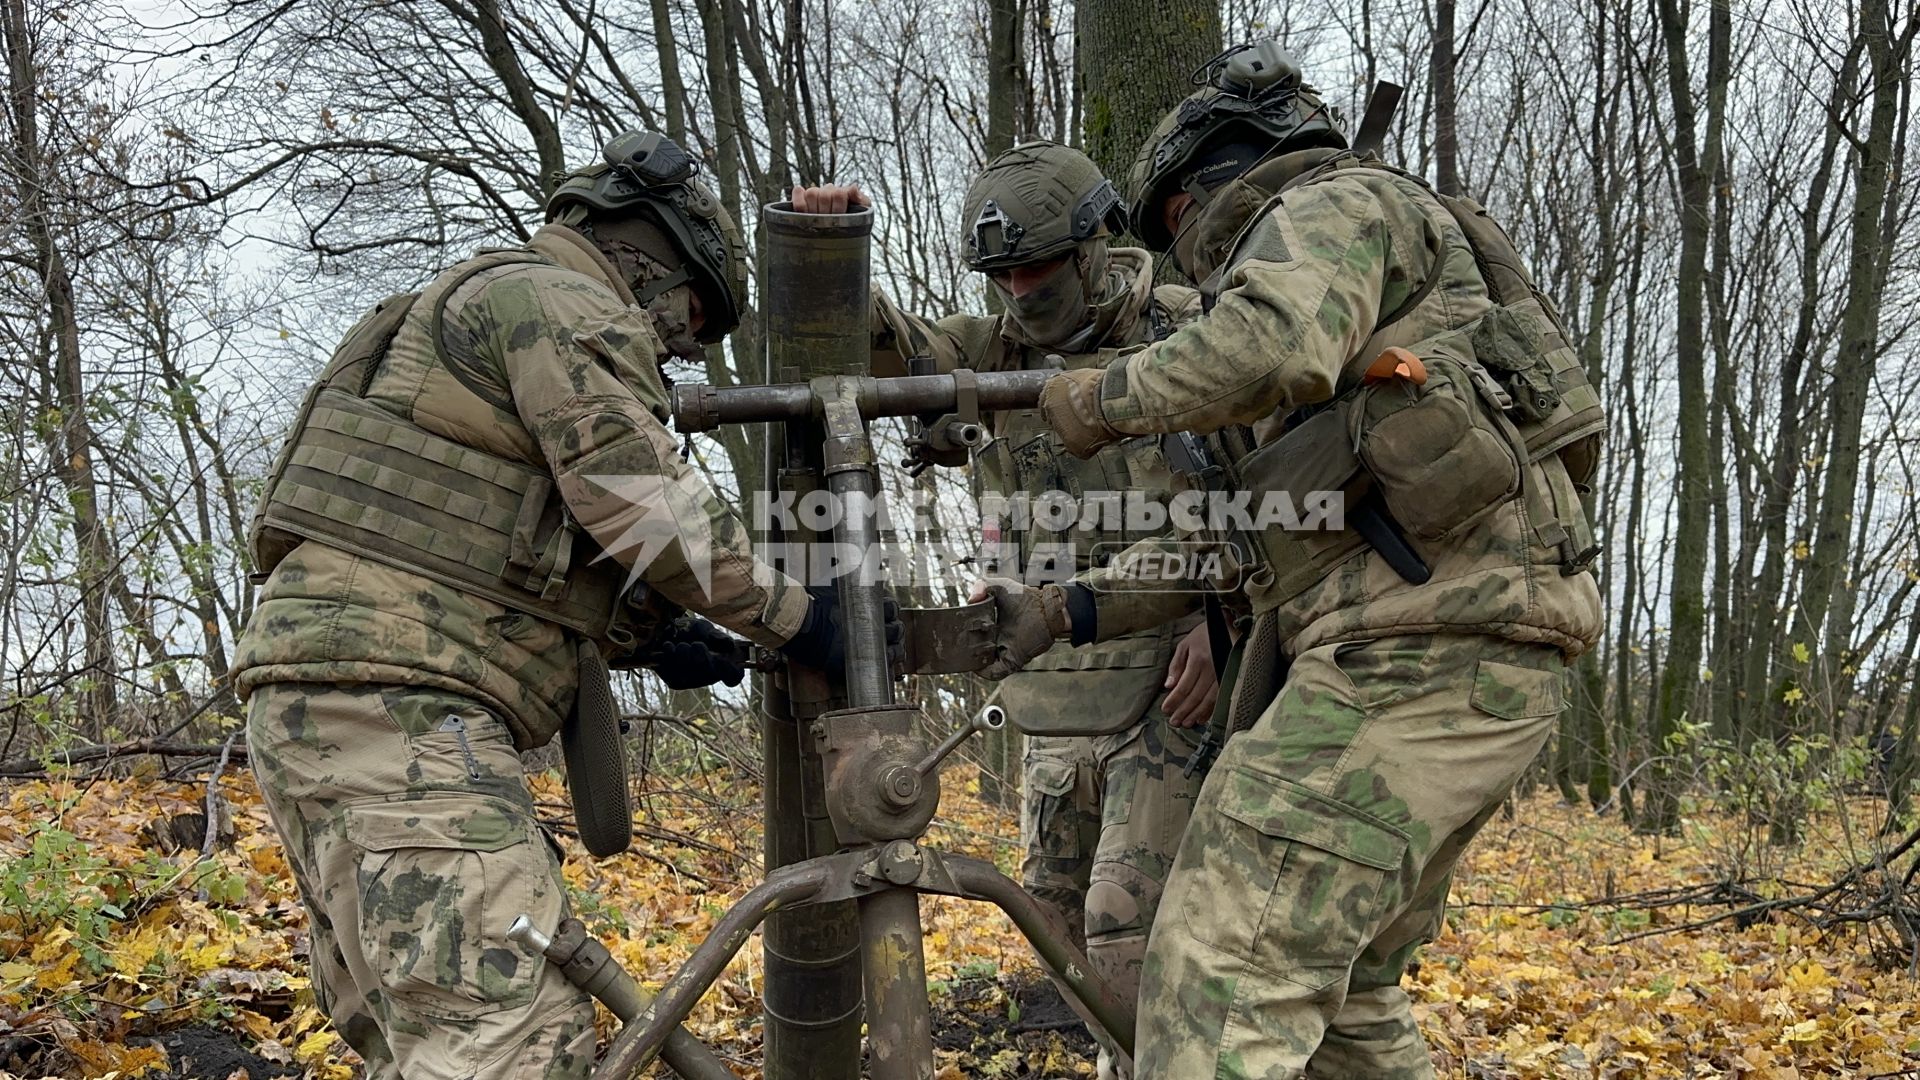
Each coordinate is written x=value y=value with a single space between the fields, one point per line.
x=441 y=876
x=1292 y=881
x=1512 y=692
x=1052 y=820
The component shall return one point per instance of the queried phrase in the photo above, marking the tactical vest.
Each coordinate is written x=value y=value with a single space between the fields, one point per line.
x=1505 y=411
x=1121 y=678
x=355 y=476
x=1026 y=456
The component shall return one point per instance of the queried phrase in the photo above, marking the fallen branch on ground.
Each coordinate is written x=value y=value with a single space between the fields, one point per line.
x=1875 y=894
x=37 y=766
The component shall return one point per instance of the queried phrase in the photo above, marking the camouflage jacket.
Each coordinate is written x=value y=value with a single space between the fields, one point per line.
x=1026 y=457
x=557 y=369
x=1302 y=296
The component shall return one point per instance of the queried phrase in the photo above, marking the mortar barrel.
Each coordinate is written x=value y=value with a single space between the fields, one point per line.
x=816 y=302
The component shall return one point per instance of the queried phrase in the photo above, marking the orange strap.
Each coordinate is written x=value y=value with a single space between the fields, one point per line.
x=1396 y=363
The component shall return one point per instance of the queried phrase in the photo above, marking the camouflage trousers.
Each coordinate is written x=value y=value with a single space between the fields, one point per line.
x=411 y=832
x=1102 y=817
x=1320 y=853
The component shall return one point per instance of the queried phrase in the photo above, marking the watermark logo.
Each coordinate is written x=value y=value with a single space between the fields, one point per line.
x=1145 y=541
x=667 y=525
x=1170 y=565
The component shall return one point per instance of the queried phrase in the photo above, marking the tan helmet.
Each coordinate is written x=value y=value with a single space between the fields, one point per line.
x=648 y=174
x=1250 y=106
x=1036 y=202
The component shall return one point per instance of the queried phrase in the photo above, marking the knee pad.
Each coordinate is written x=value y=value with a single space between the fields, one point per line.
x=1113 y=909
x=1122 y=898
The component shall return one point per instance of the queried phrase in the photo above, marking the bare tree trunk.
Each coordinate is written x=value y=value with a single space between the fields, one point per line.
x=1817 y=661
x=1004 y=78
x=1136 y=56
x=1625 y=700
x=744 y=443
x=497 y=45
x=1764 y=655
x=1440 y=68
x=1006 y=85
x=752 y=46
x=73 y=447
x=673 y=90
x=1904 y=771
x=1687 y=623
x=1719 y=333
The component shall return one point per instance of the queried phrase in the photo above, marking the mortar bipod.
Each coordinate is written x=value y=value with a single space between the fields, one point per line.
x=899 y=867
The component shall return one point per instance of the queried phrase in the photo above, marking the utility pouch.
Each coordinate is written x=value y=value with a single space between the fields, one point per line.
x=1315 y=469
x=1093 y=689
x=1440 y=451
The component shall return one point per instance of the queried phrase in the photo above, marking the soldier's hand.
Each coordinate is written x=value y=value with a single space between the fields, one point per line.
x=821 y=642
x=828 y=198
x=1192 y=685
x=1070 y=402
x=696 y=653
x=1027 y=621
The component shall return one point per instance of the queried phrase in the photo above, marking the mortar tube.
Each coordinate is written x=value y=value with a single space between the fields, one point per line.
x=817 y=322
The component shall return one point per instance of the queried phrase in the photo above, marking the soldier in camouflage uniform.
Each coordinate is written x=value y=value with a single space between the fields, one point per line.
x=1321 y=847
x=1104 y=792
x=431 y=531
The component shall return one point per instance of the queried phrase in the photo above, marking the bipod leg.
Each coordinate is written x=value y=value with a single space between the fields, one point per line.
x=639 y=1042
x=588 y=965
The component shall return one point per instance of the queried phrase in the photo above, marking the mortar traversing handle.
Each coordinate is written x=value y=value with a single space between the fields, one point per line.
x=991 y=718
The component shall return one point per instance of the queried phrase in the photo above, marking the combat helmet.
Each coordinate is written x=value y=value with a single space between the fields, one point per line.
x=649 y=174
x=1251 y=104
x=1035 y=202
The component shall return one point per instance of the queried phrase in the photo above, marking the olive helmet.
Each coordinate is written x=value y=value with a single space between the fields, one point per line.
x=1251 y=105
x=1036 y=202
x=647 y=173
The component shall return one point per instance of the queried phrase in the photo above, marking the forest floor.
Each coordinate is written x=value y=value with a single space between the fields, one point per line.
x=119 y=959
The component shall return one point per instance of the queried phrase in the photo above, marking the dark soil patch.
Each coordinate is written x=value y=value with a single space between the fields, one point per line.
x=204 y=1053
x=984 y=1016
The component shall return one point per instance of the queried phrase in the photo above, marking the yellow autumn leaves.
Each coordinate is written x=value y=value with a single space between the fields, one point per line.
x=1529 y=982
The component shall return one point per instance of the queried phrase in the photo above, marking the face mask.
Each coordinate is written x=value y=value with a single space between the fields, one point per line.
x=1055 y=310
x=672 y=313
x=1207 y=240
x=642 y=255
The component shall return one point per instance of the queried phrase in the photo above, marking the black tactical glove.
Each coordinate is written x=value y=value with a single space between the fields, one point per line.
x=693 y=653
x=820 y=642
